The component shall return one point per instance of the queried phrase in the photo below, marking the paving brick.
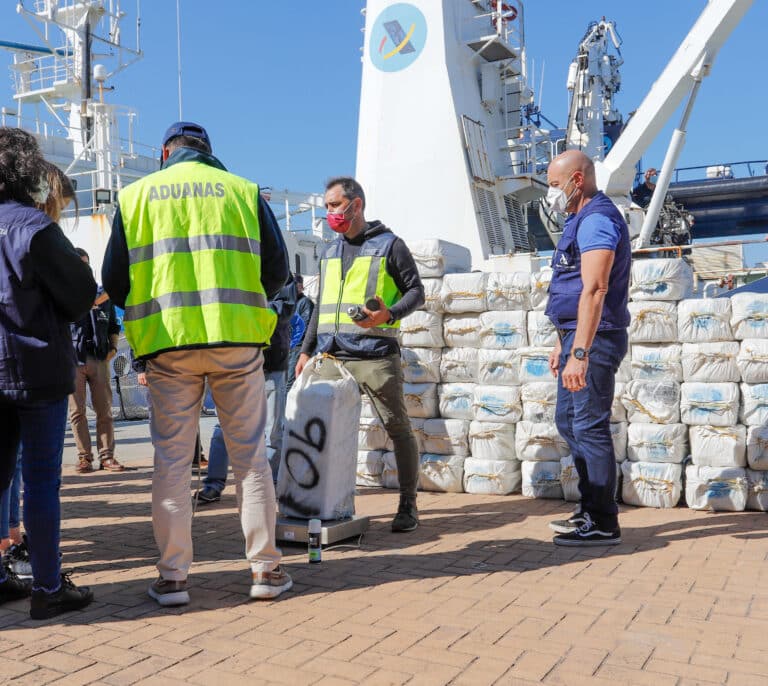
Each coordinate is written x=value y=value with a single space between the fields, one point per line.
x=634 y=677
x=534 y=665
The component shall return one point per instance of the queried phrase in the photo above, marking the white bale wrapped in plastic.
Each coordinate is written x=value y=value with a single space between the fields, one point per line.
x=456 y=400
x=534 y=365
x=421 y=365
x=497 y=404
x=657 y=362
x=757 y=490
x=625 y=369
x=316 y=478
x=370 y=464
x=459 y=365
x=569 y=479
x=653 y=322
x=541 y=330
x=661 y=279
x=657 y=402
x=718 y=489
x=435 y=257
x=421 y=399
x=710 y=362
x=441 y=473
x=432 y=299
x=508 y=291
x=491 y=477
x=463 y=292
x=754 y=404
x=417 y=427
x=752 y=360
x=542 y=479
x=619 y=438
x=712 y=404
x=618 y=412
x=757 y=447
x=704 y=320
x=389 y=475
x=749 y=315
x=657 y=443
x=539 y=401
x=446 y=436
x=540 y=288
x=498 y=367
x=719 y=446
x=462 y=331
x=367 y=409
x=422 y=329
x=372 y=435
x=651 y=484
x=312 y=287
x=539 y=442
x=492 y=440
x=503 y=330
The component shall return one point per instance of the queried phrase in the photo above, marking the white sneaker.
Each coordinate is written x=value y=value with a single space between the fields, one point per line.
x=267 y=585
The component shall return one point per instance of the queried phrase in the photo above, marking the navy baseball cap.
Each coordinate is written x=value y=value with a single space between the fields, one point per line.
x=186 y=128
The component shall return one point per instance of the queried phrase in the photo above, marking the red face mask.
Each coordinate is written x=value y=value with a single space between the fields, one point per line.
x=338 y=220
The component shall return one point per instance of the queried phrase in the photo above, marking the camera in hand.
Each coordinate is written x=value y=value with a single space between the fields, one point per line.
x=356 y=311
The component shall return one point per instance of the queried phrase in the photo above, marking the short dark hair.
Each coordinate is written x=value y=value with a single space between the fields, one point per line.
x=82 y=253
x=188 y=142
x=350 y=188
x=298 y=278
x=22 y=166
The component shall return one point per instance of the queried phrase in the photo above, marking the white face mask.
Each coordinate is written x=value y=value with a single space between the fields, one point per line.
x=556 y=198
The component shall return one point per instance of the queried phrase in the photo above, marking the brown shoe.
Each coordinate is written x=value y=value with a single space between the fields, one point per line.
x=84 y=466
x=111 y=465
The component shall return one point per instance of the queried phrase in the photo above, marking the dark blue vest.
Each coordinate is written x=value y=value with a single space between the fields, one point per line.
x=566 y=286
x=379 y=245
x=36 y=357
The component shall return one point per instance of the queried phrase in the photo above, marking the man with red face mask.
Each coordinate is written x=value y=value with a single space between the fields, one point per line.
x=367 y=263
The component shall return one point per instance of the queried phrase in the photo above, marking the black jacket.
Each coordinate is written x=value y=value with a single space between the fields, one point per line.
x=90 y=334
x=284 y=303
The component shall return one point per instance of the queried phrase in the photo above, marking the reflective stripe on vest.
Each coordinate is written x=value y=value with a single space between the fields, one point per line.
x=193 y=239
x=366 y=278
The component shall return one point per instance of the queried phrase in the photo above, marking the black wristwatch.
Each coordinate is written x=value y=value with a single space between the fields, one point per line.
x=580 y=353
x=391 y=319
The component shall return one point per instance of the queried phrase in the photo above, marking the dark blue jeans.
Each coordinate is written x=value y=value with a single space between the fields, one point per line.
x=42 y=444
x=10 y=503
x=583 y=420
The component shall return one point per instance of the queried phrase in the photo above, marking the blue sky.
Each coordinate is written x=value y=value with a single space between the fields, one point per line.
x=277 y=83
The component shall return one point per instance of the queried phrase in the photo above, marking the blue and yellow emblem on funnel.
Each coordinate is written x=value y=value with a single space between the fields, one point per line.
x=398 y=37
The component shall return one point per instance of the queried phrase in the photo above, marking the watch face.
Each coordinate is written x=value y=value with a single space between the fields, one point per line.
x=579 y=353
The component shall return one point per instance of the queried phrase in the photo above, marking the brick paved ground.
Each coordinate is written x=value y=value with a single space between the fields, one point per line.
x=478 y=595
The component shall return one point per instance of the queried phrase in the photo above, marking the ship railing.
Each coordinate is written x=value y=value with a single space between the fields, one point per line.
x=721 y=170
x=504 y=19
x=42 y=73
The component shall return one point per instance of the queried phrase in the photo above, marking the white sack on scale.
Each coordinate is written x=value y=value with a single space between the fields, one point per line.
x=441 y=473
x=422 y=329
x=459 y=365
x=653 y=322
x=657 y=443
x=446 y=436
x=718 y=489
x=463 y=293
x=491 y=477
x=492 y=440
x=651 y=484
x=498 y=367
x=719 y=446
x=317 y=471
x=508 y=291
x=704 y=320
x=710 y=362
x=712 y=404
x=661 y=279
x=421 y=365
x=435 y=257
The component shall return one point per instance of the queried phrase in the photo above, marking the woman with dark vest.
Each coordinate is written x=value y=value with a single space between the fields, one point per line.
x=44 y=285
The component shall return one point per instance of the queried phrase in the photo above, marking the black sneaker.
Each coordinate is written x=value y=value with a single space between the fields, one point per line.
x=17 y=558
x=13 y=588
x=207 y=496
x=589 y=534
x=407 y=517
x=69 y=597
x=566 y=526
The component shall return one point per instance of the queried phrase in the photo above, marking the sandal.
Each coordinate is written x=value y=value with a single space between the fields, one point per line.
x=111 y=465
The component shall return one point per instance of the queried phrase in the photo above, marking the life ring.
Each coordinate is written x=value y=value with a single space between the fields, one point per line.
x=511 y=9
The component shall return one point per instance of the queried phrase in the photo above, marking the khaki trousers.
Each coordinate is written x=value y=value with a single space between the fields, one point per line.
x=96 y=374
x=176 y=387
